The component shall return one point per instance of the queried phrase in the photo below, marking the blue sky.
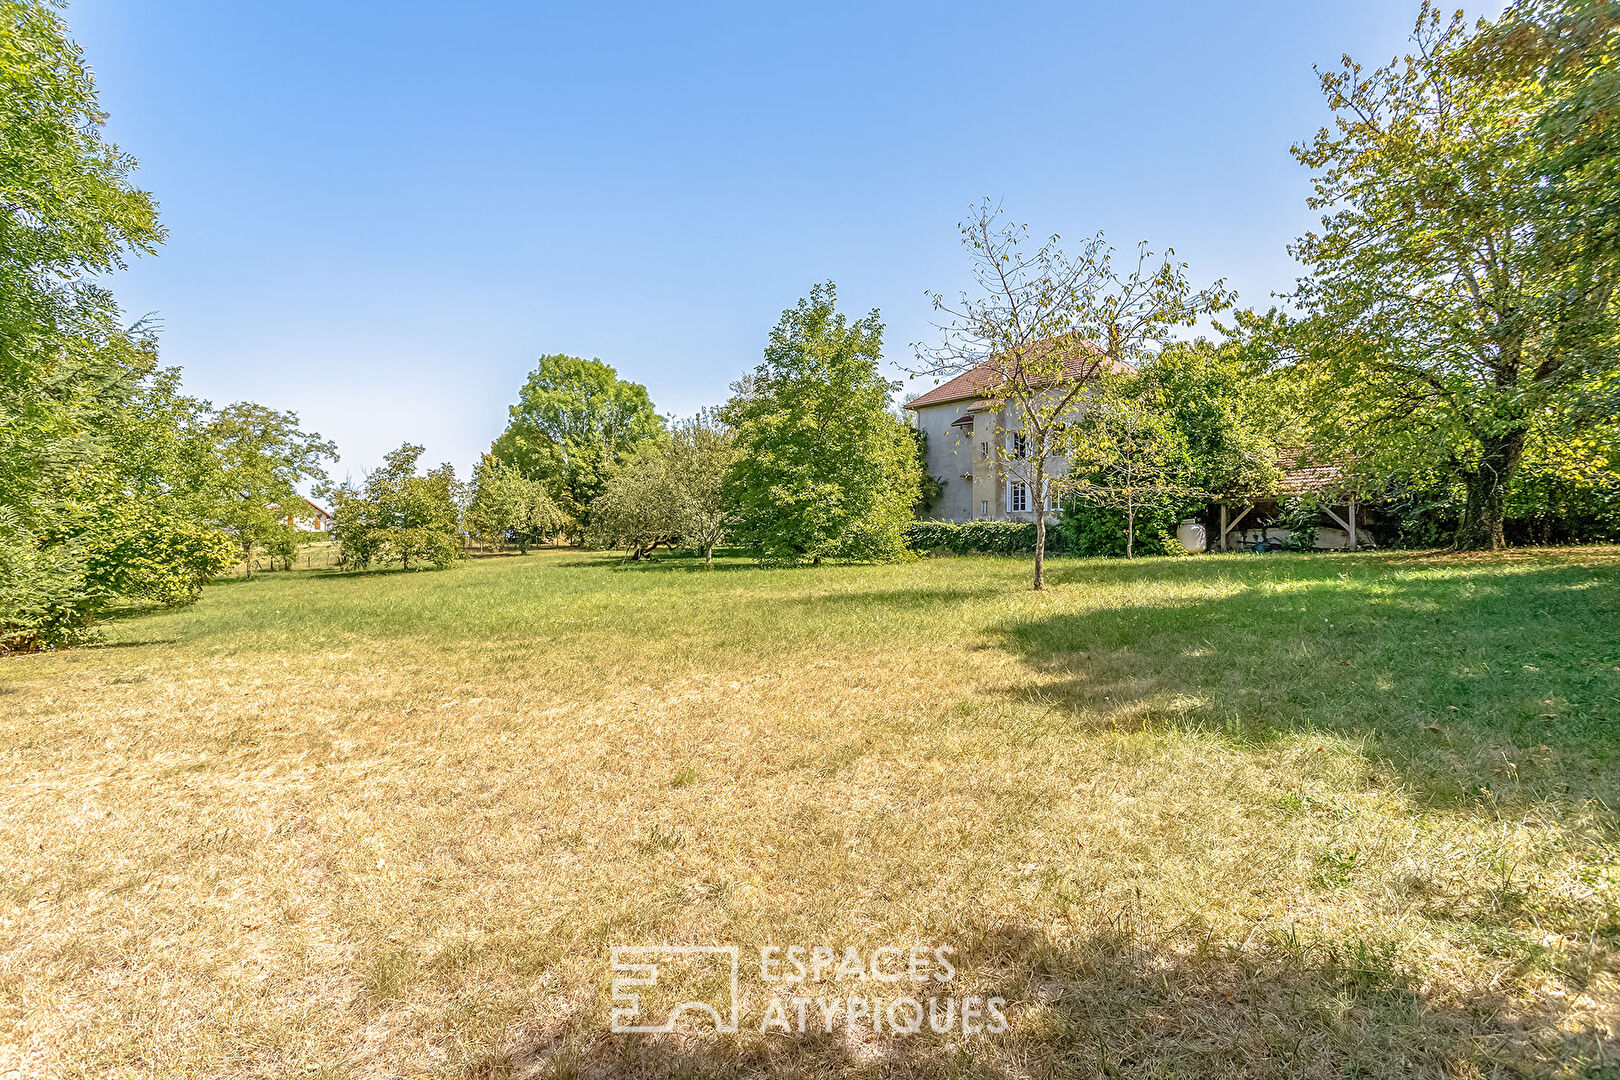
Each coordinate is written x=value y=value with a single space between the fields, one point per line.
x=382 y=212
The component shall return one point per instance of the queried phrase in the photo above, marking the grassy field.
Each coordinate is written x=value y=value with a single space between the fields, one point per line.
x=1331 y=816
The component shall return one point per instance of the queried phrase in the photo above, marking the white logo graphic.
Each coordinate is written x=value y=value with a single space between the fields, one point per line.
x=638 y=965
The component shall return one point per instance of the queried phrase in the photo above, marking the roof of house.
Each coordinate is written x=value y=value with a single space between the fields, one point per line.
x=318 y=508
x=976 y=381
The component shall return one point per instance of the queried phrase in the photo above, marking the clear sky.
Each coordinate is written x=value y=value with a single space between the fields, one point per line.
x=382 y=211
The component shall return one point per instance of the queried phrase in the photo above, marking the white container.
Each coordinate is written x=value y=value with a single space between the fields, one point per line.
x=1190 y=534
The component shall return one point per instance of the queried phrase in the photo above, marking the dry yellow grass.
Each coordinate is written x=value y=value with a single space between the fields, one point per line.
x=1231 y=816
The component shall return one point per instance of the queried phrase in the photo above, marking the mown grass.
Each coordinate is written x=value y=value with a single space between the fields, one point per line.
x=1343 y=815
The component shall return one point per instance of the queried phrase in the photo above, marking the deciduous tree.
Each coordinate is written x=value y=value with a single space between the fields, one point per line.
x=1045 y=326
x=823 y=469
x=576 y=422
x=1461 y=289
x=263 y=456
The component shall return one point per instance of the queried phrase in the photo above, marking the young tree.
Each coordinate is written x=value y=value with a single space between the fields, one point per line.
x=262 y=456
x=1044 y=327
x=576 y=422
x=507 y=506
x=1126 y=453
x=823 y=470
x=397 y=514
x=1461 y=290
x=701 y=453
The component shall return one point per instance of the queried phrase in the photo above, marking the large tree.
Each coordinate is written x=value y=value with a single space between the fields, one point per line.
x=576 y=422
x=823 y=469
x=1460 y=299
x=1043 y=327
x=98 y=450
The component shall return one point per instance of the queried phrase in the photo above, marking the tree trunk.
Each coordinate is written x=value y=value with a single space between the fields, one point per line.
x=1130 y=527
x=708 y=555
x=1487 y=485
x=1038 y=493
x=247 y=559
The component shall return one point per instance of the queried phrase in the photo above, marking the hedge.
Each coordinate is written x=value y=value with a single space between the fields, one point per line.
x=976 y=537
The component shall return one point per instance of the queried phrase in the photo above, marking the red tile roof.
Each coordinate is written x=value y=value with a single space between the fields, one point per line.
x=1301 y=475
x=977 y=381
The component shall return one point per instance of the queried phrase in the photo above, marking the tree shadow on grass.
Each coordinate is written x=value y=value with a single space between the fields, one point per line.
x=1481 y=655
x=1111 y=1001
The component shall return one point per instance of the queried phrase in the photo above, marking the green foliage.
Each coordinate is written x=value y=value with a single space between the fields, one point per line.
x=823 y=469
x=930 y=488
x=1125 y=452
x=262 y=457
x=399 y=516
x=1224 y=406
x=640 y=508
x=1089 y=529
x=672 y=493
x=1301 y=515
x=973 y=537
x=1461 y=300
x=507 y=506
x=103 y=471
x=575 y=424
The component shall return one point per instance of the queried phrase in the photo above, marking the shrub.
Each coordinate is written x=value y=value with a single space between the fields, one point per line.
x=973 y=537
x=1088 y=529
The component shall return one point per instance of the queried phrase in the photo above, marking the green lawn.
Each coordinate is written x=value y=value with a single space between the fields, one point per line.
x=1339 y=815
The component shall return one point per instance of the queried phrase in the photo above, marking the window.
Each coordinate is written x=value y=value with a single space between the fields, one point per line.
x=1020 y=449
x=1018 y=497
x=984 y=451
x=984 y=508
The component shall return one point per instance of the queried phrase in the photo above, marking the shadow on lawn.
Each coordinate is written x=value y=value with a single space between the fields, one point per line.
x=1108 y=1005
x=1438 y=668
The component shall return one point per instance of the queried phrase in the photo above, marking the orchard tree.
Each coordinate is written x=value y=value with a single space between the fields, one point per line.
x=397 y=514
x=640 y=509
x=823 y=469
x=263 y=456
x=505 y=505
x=701 y=453
x=576 y=422
x=1043 y=327
x=1460 y=298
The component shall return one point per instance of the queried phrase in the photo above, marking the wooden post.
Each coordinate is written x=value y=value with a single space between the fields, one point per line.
x=1352 y=524
x=1223 y=526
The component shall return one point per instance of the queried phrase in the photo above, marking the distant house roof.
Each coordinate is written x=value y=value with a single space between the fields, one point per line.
x=975 y=382
x=321 y=510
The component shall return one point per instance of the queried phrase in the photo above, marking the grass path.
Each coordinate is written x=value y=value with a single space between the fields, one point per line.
x=1225 y=816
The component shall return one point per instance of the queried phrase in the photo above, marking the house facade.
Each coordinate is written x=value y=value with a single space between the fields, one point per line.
x=975 y=448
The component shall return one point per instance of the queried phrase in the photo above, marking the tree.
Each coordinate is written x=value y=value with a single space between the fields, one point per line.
x=505 y=505
x=262 y=458
x=640 y=509
x=1044 y=328
x=1225 y=406
x=397 y=514
x=98 y=485
x=823 y=470
x=575 y=423
x=1461 y=292
x=702 y=451
x=1124 y=452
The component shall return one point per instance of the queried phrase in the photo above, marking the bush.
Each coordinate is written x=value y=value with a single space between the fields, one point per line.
x=975 y=537
x=1086 y=529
